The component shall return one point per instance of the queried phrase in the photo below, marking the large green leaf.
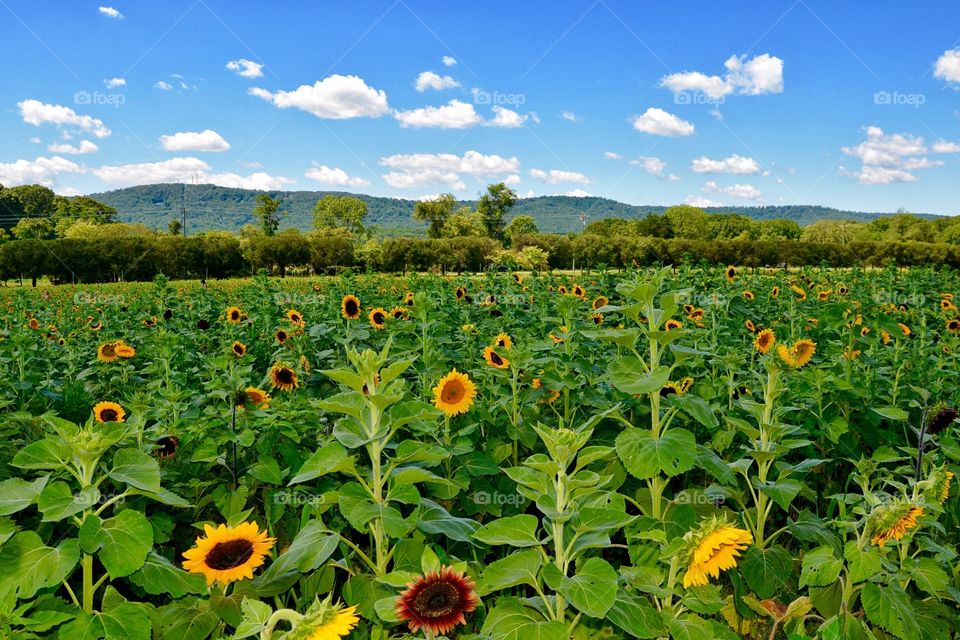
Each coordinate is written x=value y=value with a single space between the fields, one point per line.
x=520 y=567
x=766 y=571
x=629 y=375
x=511 y=620
x=516 y=531
x=889 y=608
x=136 y=469
x=862 y=564
x=593 y=589
x=436 y=520
x=820 y=567
x=160 y=576
x=57 y=501
x=644 y=456
x=637 y=617
x=17 y=494
x=121 y=543
x=27 y=565
x=327 y=459
x=46 y=454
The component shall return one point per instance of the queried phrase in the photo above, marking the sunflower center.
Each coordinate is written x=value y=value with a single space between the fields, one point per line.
x=452 y=392
x=285 y=376
x=378 y=318
x=109 y=350
x=351 y=307
x=108 y=415
x=238 y=349
x=228 y=555
x=437 y=600
x=495 y=359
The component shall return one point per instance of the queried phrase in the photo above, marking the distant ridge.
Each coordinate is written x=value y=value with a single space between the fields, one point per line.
x=214 y=207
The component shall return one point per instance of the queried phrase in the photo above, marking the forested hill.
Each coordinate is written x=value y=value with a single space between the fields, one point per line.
x=212 y=207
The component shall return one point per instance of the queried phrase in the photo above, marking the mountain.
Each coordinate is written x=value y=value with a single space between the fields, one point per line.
x=211 y=207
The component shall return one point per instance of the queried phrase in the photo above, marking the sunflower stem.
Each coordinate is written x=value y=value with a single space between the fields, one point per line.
x=87 y=564
x=289 y=615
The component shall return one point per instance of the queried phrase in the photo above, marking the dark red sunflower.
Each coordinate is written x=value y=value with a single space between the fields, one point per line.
x=437 y=601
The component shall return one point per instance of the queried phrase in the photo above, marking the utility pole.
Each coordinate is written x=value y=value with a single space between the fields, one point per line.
x=183 y=210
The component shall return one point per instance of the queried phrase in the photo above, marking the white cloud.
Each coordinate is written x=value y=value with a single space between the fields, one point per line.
x=505 y=118
x=742 y=191
x=556 y=176
x=879 y=175
x=37 y=113
x=947 y=66
x=184 y=169
x=418 y=169
x=654 y=166
x=206 y=140
x=761 y=74
x=612 y=155
x=430 y=80
x=334 y=177
x=449 y=61
x=570 y=116
x=659 y=122
x=246 y=68
x=40 y=171
x=110 y=12
x=35 y=140
x=163 y=86
x=735 y=164
x=456 y=114
x=889 y=158
x=113 y=83
x=335 y=97
x=512 y=180
x=85 y=146
x=943 y=146
x=700 y=201
x=578 y=193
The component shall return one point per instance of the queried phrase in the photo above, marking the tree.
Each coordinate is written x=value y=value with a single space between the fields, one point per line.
x=38 y=201
x=687 y=222
x=435 y=212
x=838 y=231
x=11 y=209
x=779 y=229
x=464 y=223
x=494 y=205
x=83 y=208
x=344 y=212
x=174 y=227
x=266 y=213
x=521 y=226
x=39 y=228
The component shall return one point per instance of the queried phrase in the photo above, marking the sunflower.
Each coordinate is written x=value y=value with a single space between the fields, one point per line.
x=437 y=601
x=125 y=351
x=799 y=354
x=257 y=398
x=851 y=354
x=730 y=273
x=940 y=418
x=454 y=393
x=239 y=349
x=227 y=554
x=904 y=329
x=33 y=324
x=295 y=317
x=941 y=484
x=518 y=278
x=597 y=318
x=399 y=313
x=350 y=307
x=107 y=352
x=150 y=322
x=281 y=336
x=671 y=389
x=843 y=290
x=108 y=412
x=672 y=324
x=166 y=446
x=764 y=341
x=885 y=337
x=696 y=315
x=752 y=328
x=893 y=521
x=823 y=296
x=468 y=328
x=325 y=621
x=562 y=290
x=234 y=315
x=864 y=331
x=494 y=359
x=578 y=291
x=460 y=293
x=283 y=377
x=536 y=383
x=800 y=293
x=503 y=341
x=408 y=299
x=712 y=549
x=378 y=319
x=748 y=295
x=775 y=292
x=95 y=326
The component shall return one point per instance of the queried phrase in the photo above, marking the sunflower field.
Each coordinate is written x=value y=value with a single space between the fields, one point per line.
x=695 y=453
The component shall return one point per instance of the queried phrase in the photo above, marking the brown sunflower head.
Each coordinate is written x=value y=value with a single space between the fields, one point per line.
x=437 y=602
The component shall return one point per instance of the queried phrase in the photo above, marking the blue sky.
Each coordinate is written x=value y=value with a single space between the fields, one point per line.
x=852 y=105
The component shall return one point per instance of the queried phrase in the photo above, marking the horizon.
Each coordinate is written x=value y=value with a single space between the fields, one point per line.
x=798 y=104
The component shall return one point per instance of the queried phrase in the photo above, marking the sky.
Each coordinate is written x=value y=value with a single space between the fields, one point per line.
x=853 y=105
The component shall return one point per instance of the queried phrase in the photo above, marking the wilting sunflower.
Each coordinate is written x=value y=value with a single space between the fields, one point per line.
x=713 y=548
x=800 y=293
x=295 y=317
x=350 y=307
x=494 y=359
x=227 y=554
x=257 y=398
x=234 y=315
x=283 y=377
x=239 y=349
x=764 y=341
x=325 y=621
x=730 y=273
x=454 y=393
x=503 y=341
x=939 y=418
x=601 y=301
x=437 y=601
x=108 y=412
x=378 y=319
x=752 y=328
x=107 y=352
x=125 y=351
x=893 y=521
x=823 y=296
x=799 y=354
x=672 y=324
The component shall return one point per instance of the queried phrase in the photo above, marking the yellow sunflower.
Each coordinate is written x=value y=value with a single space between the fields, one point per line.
x=107 y=352
x=578 y=291
x=764 y=341
x=257 y=398
x=239 y=349
x=125 y=351
x=108 y=412
x=34 y=324
x=454 y=394
x=601 y=301
x=752 y=328
x=893 y=521
x=748 y=295
x=460 y=293
x=799 y=354
x=775 y=292
x=326 y=621
x=295 y=317
x=672 y=324
x=494 y=359
x=503 y=341
x=350 y=307
x=712 y=549
x=234 y=315
x=378 y=319
x=283 y=377
x=597 y=318
x=227 y=554
x=904 y=329
x=399 y=313
x=730 y=273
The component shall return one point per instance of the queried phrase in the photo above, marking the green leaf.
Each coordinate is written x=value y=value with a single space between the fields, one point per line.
x=516 y=531
x=27 y=565
x=782 y=491
x=637 y=617
x=601 y=519
x=861 y=563
x=593 y=589
x=46 y=454
x=16 y=494
x=629 y=375
x=766 y=571
x=436 y=520
x=690 y=628
x=160 y=576
x=310 y=549
x=57 y=501
x=327 y=459
x=820 y=568
x=698 y=409
x=511 y=620
x=121 y=542
x=929 y=576
x=256 y=614
x=520 y=567
x=188 y=621
x=889 y=608
x=716 y=466
x=136 y=469
x=645 y=457
x=893 y=413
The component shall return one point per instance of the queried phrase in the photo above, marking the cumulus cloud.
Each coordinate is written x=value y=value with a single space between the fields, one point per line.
x=947 y=66
x=38 y=113
x=163 y=86
x=84 y=147
x=113 y=83
x=42 y=170
x=742 y=191
x=700 y=201
x=879 y=175
x=660 y=123
x=183 y=169
x=758 y=75
x=430 y=80
x=654 y=166
x=206 y=140
x=735 y=164
x=418 y=169
x=335 y=97
x=943 y=146
x=449 y=61
x=506 y=118
x=334 y=177
x=110 y=12
x=578 y=193
x=557 y=176
x=246 y=68
x=612 y=155
x=890 y=158
x=456 y=114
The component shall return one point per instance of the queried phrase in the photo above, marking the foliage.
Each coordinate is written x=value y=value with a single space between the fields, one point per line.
x=340 y=212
